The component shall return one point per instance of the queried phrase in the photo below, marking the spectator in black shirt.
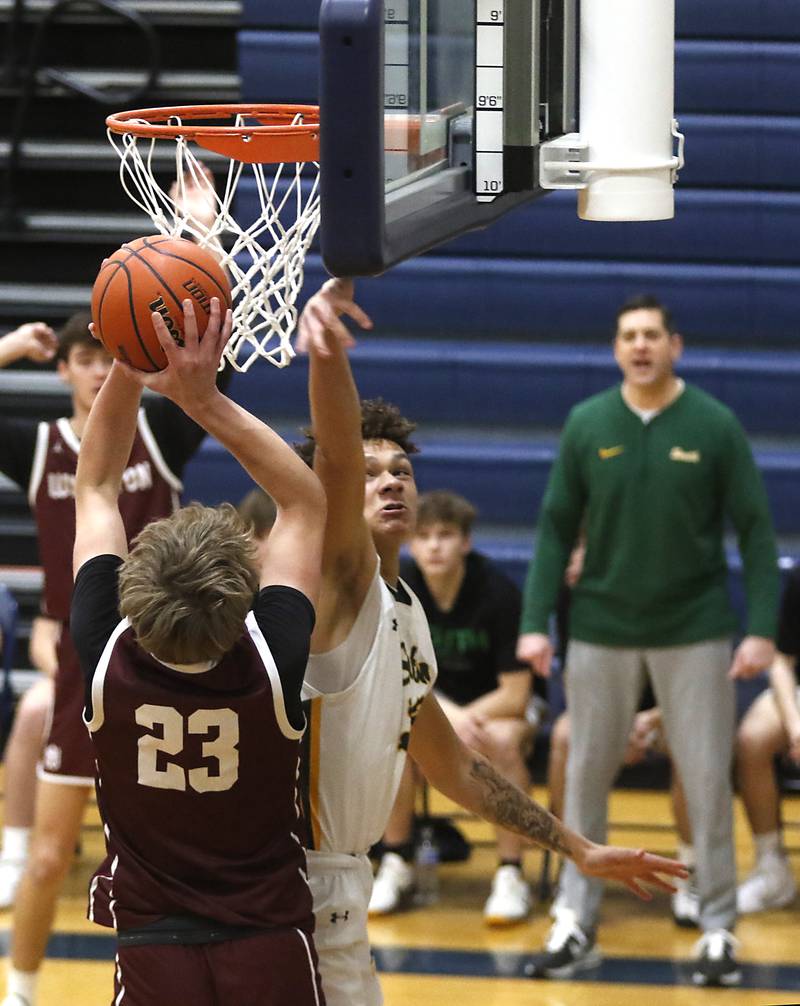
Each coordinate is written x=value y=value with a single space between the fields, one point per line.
x=771 y=727
x=472 y=609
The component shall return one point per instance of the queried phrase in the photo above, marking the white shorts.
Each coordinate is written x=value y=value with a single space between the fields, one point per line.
x=341 y=886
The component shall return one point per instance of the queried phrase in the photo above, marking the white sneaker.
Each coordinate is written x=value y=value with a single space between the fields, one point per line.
x=393 y=887
x=686 y=902
x=11 y=871
x=771 y=884
x=510 y=900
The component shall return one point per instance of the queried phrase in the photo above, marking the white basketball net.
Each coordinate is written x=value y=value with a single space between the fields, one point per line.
x=264 y=259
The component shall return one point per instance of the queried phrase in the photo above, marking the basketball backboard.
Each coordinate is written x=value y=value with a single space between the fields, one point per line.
x=439 y=116
x=432 y=111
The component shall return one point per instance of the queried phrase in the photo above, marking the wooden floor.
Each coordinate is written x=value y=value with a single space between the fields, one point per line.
x=444 y=956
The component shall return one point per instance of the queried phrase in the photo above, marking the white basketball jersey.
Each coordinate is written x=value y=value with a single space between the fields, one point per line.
x=356 y=742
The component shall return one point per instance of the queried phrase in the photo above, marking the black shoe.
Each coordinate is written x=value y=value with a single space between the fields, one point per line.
x=715 y=960
x=569 y=949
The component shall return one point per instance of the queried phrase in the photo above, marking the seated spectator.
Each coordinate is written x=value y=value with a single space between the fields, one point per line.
x=473 y=611
x=771 y=727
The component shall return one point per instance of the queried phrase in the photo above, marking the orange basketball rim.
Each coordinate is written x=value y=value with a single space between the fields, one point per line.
x=278 y=134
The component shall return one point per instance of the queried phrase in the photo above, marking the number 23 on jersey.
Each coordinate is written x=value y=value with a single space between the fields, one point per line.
x=172 y=726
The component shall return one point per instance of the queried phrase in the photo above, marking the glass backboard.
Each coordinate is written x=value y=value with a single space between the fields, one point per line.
x=432 y=112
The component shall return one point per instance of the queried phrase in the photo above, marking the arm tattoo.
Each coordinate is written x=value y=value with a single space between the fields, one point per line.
x=502 y=803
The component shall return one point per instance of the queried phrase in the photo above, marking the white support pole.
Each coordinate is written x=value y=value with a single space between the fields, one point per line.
x=627 y=94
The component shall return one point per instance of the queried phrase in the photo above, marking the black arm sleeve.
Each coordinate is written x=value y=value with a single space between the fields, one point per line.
x=178 y=436
x=788 y=641
x=95 y=613
x=17 y=447
x=286 y=618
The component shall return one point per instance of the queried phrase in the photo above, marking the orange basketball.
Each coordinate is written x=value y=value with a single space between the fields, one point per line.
x=154 y=274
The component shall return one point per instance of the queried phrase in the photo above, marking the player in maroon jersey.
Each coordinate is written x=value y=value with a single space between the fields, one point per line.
x=41 y=458
x=193 y=705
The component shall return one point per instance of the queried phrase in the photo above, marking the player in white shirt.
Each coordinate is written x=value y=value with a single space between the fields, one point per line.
x=372 y=668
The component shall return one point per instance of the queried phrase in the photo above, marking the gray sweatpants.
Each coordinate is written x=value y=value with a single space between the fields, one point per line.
x=604 y=686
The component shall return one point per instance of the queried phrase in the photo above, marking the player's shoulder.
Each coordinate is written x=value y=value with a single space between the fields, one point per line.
x=595 y=406
x=480 y=567
x=710 y=408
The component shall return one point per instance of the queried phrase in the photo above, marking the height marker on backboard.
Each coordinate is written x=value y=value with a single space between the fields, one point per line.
x=489 y=47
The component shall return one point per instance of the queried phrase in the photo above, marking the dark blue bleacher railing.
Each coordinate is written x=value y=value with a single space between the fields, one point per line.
x=34 y=70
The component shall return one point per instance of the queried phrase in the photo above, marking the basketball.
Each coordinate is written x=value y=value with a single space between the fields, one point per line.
x=154 y=273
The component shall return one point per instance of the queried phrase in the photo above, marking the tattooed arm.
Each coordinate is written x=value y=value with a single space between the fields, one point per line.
x=468 y=779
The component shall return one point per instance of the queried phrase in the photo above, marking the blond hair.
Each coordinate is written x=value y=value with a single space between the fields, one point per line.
x=188 y=583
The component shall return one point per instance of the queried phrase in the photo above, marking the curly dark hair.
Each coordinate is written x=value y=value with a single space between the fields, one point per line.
x=379 y=421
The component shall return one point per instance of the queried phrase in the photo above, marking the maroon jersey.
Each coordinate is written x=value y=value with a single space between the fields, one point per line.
x=149 y=491
x=196 y=784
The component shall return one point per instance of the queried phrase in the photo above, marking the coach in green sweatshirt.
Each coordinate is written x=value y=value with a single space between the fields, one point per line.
x=651 y=470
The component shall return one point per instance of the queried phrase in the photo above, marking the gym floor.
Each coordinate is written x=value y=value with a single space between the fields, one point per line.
x=445 y=954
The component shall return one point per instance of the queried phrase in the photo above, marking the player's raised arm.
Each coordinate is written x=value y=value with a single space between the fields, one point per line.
x=105 y=449
x=293 y=555
x=336 y=428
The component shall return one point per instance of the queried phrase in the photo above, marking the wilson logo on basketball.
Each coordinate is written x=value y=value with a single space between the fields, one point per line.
x=159 y=305
x=193 y=288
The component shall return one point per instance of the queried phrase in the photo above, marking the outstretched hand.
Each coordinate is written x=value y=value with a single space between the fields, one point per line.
x=633 y=867
x=320 y=320
x=190 y=376
x=35 y=340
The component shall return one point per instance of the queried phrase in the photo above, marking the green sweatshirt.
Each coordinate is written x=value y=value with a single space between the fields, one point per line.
x=654 y=497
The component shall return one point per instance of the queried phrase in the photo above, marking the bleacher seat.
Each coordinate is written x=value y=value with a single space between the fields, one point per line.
x=747 y=19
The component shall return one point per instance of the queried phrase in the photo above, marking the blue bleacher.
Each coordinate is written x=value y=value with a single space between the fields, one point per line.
x=745 y=19
x=504 y=476
x=531 y=384
x=539 y=299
